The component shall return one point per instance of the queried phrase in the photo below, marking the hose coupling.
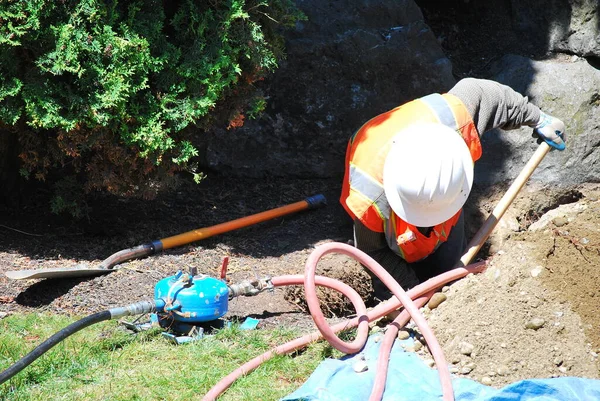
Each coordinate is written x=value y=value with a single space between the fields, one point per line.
x=250 y=287
x=138 y=308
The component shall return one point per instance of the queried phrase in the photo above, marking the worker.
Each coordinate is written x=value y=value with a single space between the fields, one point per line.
x=409 y=172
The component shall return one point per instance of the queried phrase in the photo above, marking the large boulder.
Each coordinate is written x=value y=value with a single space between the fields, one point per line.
x=566 y=87
x=351 y=60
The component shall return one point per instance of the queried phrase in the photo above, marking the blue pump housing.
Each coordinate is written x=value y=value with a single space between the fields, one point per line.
x=194 y=299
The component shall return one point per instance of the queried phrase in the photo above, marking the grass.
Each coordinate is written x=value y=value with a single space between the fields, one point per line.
x=107 y=362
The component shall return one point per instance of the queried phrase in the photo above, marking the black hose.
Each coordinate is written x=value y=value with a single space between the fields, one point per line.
x=52 y=341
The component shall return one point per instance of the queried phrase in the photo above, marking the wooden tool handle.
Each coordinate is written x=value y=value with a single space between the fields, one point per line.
x=488 y=226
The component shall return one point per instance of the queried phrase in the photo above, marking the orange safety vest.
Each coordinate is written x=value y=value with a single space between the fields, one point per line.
x=363 y=195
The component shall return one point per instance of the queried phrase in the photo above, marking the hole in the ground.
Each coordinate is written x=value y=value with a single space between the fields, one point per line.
x=533 y=215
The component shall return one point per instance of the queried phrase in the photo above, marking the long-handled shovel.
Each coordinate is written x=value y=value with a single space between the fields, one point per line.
x=107 y=265
x=488 y=226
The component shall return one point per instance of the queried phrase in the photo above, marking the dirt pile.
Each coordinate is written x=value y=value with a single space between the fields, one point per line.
x=534 y=312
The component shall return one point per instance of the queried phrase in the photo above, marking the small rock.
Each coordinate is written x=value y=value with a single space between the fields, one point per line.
x=466 y=348
x=436 y=300
x=497 y=275
x=417 y=346
x=465 y=370
x=502 y=371
x=563 y=369
x=535 y=323
x=430 y=363
x=560 y=221
x=486 y=381
x=3 y=315
x=558 y=361
x=536 y=271
x=453 y=369
x=375 y=329
x=360 y=366
x=403 y=335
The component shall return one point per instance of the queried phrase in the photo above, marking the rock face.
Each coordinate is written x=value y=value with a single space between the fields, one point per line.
x=568 y=89
x=351 y=60
x=354 y=59
x=569 y=26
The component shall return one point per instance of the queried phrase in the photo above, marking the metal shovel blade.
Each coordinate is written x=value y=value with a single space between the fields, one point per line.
x=59 y=272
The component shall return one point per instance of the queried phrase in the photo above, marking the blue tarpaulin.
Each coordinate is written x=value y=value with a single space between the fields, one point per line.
x=409 y=378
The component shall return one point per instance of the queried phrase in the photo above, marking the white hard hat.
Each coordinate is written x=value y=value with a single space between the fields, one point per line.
x=428 y=174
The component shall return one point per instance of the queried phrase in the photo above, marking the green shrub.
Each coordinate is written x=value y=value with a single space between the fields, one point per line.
x=114 y=91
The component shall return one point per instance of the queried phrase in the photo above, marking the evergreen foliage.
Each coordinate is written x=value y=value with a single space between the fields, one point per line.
x=115 y=90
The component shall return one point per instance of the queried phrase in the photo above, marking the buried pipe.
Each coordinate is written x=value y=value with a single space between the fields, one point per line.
x=377 y=312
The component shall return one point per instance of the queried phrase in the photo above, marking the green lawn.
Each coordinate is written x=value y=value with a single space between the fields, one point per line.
x=108 y=362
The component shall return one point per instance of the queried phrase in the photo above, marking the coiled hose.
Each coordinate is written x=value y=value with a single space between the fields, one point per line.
x=420 y=293
x=137 y=308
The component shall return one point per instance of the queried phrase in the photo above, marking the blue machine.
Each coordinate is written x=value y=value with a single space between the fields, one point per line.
x=190 y=300
x=194 y=301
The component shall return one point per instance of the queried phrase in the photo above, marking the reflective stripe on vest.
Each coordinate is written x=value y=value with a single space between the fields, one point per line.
x=440 y=106
x=391 y=237
x=371 y=189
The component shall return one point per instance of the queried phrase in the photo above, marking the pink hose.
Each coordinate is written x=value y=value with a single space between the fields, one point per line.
x=386 y=347
x=315 y=309
x=376 y=313
x=388 y=280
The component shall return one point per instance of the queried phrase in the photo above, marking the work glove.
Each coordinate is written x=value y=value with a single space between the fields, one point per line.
x=551 y=130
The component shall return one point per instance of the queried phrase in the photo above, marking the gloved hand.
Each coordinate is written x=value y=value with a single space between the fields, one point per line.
x=551 y=130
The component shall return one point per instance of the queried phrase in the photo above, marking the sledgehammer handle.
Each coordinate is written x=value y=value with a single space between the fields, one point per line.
x=488 y=226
